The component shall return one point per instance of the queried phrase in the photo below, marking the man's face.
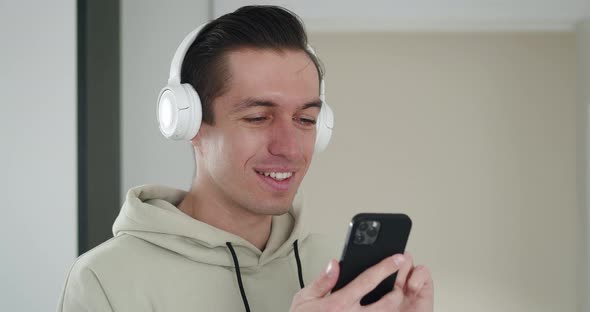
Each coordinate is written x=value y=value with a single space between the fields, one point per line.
x=257 y=152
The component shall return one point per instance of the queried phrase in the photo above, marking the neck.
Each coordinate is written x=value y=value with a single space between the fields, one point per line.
x=226 y=216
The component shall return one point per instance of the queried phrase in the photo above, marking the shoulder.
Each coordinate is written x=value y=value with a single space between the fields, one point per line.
x=121 y=257
x=84 y=290
x=112 y=251
x=87 y=286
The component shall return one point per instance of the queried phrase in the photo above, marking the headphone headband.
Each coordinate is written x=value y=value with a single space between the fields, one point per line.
x=176 y=64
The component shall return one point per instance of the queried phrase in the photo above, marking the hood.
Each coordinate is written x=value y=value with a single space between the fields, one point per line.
x=150 y=213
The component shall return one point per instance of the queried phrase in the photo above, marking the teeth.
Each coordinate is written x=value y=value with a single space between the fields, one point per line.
x=279 y=176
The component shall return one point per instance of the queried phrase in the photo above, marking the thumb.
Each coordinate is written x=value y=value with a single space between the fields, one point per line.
x=323 y=284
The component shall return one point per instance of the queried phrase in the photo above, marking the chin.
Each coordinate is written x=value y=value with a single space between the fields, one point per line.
x=275 y=209
x=269 y=204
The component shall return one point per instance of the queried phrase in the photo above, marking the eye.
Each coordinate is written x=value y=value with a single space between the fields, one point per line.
x=256 y=120
x=306 y=121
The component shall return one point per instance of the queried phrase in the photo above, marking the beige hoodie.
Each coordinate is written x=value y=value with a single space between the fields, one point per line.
x=163 y=260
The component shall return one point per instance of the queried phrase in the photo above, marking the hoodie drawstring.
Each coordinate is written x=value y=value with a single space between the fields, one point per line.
x=239 y=275
x=237 y=266
x=299 y=270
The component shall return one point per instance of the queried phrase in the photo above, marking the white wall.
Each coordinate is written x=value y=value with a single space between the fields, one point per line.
x=38 y=159
x=583 y=49
x=150 y=32
x=428 y=15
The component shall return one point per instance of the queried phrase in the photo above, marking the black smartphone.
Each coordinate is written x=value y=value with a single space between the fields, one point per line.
x=371 y=238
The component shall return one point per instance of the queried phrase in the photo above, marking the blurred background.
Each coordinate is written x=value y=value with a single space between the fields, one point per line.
x=470 y=116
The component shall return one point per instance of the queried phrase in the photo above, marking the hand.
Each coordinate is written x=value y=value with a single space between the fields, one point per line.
x=413 y=290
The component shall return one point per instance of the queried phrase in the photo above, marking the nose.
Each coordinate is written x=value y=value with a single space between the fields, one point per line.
x=286 y=140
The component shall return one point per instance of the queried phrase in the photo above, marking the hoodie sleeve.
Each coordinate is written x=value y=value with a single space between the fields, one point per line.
x=83 y=292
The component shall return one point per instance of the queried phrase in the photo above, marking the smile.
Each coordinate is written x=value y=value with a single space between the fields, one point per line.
x=278 y=176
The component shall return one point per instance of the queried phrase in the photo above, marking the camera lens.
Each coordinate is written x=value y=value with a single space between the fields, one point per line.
x=363 y=226
x=372 y=232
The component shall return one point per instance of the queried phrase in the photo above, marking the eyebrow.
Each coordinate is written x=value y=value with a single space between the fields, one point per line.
x=253 y=102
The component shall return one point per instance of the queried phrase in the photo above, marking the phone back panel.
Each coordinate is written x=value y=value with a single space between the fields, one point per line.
x=363 y=249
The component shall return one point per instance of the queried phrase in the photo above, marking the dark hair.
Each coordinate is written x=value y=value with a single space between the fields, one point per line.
x=266 y=27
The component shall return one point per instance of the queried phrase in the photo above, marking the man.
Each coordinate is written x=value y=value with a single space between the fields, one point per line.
x=235 y=240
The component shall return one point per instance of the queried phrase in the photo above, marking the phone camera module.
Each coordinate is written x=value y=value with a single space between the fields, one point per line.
x=366 y=232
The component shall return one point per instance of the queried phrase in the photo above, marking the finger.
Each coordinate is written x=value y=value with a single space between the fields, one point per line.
x=404 y=270
x=390 y=302
x=369 y=279
x=419 y=277
x=321 y=285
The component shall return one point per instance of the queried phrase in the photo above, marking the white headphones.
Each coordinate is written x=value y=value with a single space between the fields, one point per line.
x=179 y=105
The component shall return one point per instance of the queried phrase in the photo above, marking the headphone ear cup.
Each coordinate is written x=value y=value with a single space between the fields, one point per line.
x=179 y=112
x=324 y=126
